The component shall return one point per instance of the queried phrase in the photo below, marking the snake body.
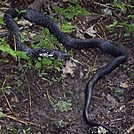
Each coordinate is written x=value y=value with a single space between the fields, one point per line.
x=120 y=56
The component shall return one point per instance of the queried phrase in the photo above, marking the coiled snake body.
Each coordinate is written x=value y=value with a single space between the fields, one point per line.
x=67 y=41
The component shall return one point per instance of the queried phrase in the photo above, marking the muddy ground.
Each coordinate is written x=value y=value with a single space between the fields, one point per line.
x=30 y=102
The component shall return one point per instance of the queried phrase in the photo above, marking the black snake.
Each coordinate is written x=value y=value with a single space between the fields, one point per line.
x=67 y=41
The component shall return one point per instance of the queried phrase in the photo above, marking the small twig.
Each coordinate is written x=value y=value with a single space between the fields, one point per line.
x=21 y=121
x=118 y=119
x=49 y=98
x=29 y=96
x=15 y=45
x=78 y=62
x=100 y=4
x=103 y=5
x=132 y=101
x=117 y=15
x=93 y=68
x=104 y=34
x=3 y=92
x=98 y=29
x=94 y=64
x=3 y=8
x=3 y=33
x=109 y=8
x=25 y=2
x=130 y=129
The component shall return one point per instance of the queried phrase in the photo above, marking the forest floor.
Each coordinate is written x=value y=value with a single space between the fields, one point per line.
x=48 y=105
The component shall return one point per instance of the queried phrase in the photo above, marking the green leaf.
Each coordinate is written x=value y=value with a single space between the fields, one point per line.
x=21 y=11
x=68 y=28
x=1 y=21
x=8 y=87
x=7 y=49
x=119 y=5
x=63 y=106
x=38 y=65
x=131 y=16
x=8 y=91
x=70 y=11
x=21 y=55
x=111 y=26
x=46 y=62
x=1 y=115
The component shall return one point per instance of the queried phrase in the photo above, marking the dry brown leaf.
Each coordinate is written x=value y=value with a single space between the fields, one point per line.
x=69 y=68
x=123 y=85
x=112 y=100
x=91 y=32
x=80 y=34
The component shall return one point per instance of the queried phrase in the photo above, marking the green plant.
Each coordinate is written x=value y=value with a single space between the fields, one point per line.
x=48 y=63
x=76 y=1
x=26 y=130
x=131 y=16
x=128 y=27
x=63 y=106
x=120 y=5
x=4 y=47
x=1 y=114
x=21 y=11
x=7 y=89
x=46 y=40
x=61 y=124
x=71 y=11
x=1 y=21
x=4 y=2
x=112 y=25
x=67 y=27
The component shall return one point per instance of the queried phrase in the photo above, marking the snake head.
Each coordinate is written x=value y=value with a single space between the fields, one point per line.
x=53 y=54
x=60 y=55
